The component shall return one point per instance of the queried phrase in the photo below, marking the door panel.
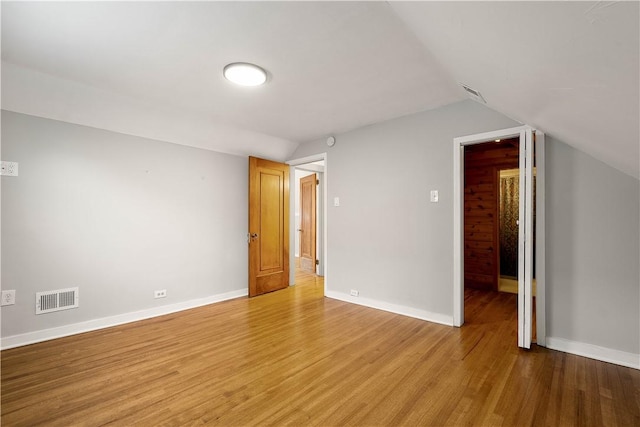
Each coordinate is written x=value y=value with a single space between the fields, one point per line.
x=268 y=226
x=525 y=241
x=270 y=221
x=308 y=223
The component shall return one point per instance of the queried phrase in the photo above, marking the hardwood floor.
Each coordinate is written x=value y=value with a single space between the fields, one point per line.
x=294 y=357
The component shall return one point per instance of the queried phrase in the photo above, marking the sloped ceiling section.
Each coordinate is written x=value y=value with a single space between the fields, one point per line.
x=154 y=69
x=333 y=67
x=570 y=69
x=30 y=92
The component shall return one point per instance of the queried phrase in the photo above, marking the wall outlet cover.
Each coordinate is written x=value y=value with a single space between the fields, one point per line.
x=8 y=297
x=9 y=168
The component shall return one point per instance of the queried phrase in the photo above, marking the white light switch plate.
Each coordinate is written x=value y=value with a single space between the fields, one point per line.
x=9 y=168
x=336 y=201
x=434 y=196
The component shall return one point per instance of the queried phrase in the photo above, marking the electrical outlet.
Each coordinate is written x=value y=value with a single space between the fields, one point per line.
x=9 y=168
x=160 y=294
x=354 y=293
x=8 y=297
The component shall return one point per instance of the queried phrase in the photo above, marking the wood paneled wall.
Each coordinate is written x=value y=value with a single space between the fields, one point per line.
x=482 y=165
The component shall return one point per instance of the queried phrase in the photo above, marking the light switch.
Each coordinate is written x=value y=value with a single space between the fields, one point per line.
x=434 y=196
x=336 y=201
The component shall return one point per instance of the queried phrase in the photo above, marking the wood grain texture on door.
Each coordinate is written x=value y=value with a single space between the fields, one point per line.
x=268 y=226
x=308 y=223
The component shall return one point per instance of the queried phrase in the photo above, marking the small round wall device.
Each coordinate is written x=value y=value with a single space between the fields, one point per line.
x=331 y=141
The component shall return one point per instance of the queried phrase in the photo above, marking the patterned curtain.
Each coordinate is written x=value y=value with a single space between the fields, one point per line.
x=509 y=201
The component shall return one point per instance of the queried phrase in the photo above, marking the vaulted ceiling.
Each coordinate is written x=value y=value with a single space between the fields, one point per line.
x=154 y=69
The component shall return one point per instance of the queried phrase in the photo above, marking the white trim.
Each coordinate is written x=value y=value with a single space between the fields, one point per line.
x=308 y=159
x=541 y=321
x=458 y=259
x=622 y=358
x=107 y=322
x=528 y=247
x=403 y=310
x=320 y=225
x=522 y=256
x=488 y=136
x=325 y=220
x=458 y=219
x=310 y=167
x=458 y=235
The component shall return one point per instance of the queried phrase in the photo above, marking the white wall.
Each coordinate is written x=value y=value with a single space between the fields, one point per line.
x=593 y=235
x=386 y=239
x=118 y=216
x=389 y=242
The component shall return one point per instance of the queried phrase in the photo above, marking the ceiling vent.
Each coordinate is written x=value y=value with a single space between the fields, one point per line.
x=473 y=94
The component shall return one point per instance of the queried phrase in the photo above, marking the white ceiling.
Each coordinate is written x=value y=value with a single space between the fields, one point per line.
x=568 y=68
x=154 y=69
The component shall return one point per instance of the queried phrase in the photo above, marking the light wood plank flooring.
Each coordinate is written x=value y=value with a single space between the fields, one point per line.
x=294 y=357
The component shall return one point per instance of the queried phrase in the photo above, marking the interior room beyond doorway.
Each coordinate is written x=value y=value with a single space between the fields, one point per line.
x=308 y=217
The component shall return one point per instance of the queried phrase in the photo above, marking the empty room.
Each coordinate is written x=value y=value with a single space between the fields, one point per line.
x=320 y=213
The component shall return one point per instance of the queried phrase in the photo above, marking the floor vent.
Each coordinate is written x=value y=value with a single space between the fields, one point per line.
x=62 y=299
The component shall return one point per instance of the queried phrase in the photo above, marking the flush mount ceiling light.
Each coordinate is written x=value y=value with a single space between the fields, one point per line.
x=245 y=74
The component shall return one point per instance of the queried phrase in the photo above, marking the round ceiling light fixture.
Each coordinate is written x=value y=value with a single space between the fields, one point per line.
x=245 y=74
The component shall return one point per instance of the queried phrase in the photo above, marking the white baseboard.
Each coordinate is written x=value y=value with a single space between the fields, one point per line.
x=106 y=322
x=393 y=308
x=630 y=360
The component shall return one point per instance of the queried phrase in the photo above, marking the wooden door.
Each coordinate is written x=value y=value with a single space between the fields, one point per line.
x=268 y=226
x=308 y=223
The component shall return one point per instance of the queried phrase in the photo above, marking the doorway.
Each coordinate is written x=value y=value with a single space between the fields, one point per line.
x=486 y=235
x=531 y=145
x=491 y=226
x=304 y=250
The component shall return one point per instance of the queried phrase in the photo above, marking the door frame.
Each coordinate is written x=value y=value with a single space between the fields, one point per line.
x=323 y=221
x=458 y=226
